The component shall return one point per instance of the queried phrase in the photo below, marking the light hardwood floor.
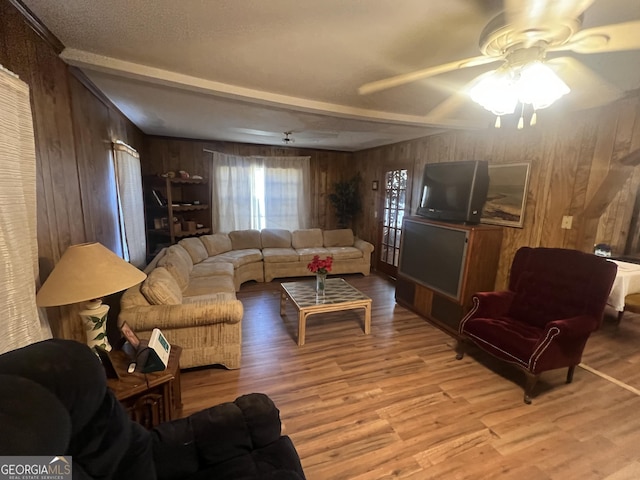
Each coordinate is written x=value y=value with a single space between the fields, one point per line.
x=397 y=404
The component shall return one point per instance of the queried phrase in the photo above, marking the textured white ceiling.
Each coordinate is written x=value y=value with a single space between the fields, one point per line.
x=249 y=70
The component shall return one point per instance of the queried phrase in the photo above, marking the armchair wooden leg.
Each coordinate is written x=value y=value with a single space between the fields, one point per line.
x=529 y=386
x=619 y=318
x=570 y=374
x=460 y=347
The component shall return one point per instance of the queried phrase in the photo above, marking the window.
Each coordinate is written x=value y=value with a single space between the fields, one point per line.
x=259 y=192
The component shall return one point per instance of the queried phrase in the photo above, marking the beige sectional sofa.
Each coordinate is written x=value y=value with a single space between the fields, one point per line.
x=190 y=289
x=286 y=254
x=195 y=306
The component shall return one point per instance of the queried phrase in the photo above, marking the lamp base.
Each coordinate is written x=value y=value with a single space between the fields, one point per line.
x=95 y=326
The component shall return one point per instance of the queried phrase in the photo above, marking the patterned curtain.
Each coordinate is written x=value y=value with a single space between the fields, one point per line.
x=21 y=322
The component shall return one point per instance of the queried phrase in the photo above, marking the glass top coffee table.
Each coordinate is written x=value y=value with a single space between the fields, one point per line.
x=339 y=295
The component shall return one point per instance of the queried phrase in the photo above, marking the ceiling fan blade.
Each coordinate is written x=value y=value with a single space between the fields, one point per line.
x=261 y=133
x=424 y=73
x=445 y=110
x=608 y=38
x=588 y=89
x=534 y=13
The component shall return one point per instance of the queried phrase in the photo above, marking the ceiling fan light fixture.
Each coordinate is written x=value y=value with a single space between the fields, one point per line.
x=539 y=86
x=533 y=83
x=495 y=92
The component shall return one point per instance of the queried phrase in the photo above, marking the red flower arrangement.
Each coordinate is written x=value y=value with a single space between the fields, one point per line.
x=320 y=266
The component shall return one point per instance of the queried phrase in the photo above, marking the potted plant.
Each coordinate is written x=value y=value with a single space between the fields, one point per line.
x=346 y=200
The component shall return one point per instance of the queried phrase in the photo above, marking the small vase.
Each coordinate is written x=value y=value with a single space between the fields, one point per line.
x=321 y=282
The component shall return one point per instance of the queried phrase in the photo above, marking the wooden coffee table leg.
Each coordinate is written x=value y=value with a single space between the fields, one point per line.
x=367 y=318
x=302 y=324
x=283 y=302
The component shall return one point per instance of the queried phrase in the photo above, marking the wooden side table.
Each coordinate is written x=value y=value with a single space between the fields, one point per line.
x=149 y=398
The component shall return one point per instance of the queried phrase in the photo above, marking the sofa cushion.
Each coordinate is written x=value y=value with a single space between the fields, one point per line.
x=509 y=340
x=161 y=288
x=307 y=254
x=343 y=253
x=174 y=450
x=239 y=257
x=306 y=238
x=244 y=239
x=183 y=254
x=209 y=268
x=216 y=244
x=177 y=267
x=195 y=248
x=209 y=285
x=338 y=238
x=275 y=238
x=276 y=255
x=218 y=297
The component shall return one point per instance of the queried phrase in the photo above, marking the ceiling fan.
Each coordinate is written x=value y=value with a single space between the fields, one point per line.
x=519 y=38
x=289 y=137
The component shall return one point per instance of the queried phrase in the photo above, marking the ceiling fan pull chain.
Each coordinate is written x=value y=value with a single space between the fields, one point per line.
x=498 y=123
x=521 y=121
x=534 y=119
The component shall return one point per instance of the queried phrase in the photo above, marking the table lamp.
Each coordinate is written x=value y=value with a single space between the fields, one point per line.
x=86 y=273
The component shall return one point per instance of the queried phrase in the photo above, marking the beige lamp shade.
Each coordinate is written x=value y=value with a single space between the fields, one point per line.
x=85 y=272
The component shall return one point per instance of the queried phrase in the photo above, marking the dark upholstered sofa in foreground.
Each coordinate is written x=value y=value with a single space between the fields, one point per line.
x=54 y=401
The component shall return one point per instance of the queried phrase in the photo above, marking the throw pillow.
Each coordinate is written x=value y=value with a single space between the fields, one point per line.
x=160 y=288
x=183 y=254
x=177 y=267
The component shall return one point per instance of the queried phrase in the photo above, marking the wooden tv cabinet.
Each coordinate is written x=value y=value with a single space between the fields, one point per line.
x=479 y=267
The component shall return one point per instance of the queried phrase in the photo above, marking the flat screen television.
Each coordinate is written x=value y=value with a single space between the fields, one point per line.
x=454 y=191
x=434 y=256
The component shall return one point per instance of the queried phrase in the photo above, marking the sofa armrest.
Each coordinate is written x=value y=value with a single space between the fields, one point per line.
x=363 y=245
x=491 y=304
x=562 y=343
x=215 y=435
x=487 y=305
x=148 y=317
x=574 y=327
x=262 y=418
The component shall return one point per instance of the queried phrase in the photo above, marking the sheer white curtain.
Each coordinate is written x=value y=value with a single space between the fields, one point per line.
x=130 y=203
x=21 y=322
x=232 y=206
x=287 y=188
x=259 y=192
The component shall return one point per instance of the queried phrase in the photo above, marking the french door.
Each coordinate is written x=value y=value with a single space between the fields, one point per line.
x=394 y=203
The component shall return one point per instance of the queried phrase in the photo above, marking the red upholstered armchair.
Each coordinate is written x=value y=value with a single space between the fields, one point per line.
x=556 y=298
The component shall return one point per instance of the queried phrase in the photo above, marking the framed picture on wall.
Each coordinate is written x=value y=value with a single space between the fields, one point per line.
x=507 y=197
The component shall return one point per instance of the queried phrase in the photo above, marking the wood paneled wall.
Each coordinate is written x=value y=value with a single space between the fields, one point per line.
x=575 y=164
x=327 y=167
x=73 y=132
x=575 y=170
